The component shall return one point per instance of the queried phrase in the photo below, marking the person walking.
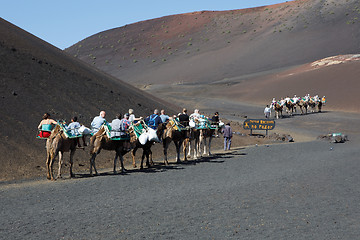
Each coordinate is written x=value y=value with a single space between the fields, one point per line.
x=227 y=131
x=267 y=111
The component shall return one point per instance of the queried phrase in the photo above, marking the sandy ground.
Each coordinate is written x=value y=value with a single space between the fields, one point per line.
x=301 y=190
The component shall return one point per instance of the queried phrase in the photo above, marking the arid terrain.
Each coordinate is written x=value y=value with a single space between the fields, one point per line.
x=233 y=62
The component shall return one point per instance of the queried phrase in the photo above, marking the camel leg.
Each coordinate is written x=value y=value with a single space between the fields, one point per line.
x=72 y=152
x=52 y=157
x=48 y=160
x=209 y=146
x=122 y=163
x=165 y=146
x=92 y=164
x=151 y=160
x=115 y=159
x=189 y=151
x=133 y=153
x=142 y=159
x=196 y=148
x=61 y=154
x=177 y=146
x=185 y=143
x=205 y=145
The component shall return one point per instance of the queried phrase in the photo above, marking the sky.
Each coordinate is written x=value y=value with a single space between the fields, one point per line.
x=63 y=23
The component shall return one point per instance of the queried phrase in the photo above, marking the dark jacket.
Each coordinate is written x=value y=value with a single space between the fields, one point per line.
x=227 y=131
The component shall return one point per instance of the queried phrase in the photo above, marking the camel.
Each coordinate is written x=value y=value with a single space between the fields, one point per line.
x=303 y=106
x=207 y=134
x=278 y=110
x=178 y=137
x=135 y=144
x=289 y=107
x=312 y=104
x=319 y=106
x=194 y=135
x=99 y=141
x=57 y=144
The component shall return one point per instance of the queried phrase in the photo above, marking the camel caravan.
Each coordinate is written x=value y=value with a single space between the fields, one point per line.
x=128 y=134
x=305 y=104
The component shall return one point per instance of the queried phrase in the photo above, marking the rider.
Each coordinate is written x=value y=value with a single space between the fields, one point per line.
x=323 y=100
x=287 y=99
x=184 y=118
x=164 y=118
x=295 y=99
x=98 y=121
x=45 y=126
x=132 y=117
x=153 y=120
x=73 y=128
x=195 y=116
x=282 y=102
x=273 y=103
x=116 y=126
x=215 y=119
x=124 y=124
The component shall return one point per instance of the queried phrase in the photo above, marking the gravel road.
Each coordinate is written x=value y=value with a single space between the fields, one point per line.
x=306 y=190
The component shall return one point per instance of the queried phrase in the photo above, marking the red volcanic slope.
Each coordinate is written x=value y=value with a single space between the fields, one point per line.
x=205 y=47
x=339 y=83
x=36 y=77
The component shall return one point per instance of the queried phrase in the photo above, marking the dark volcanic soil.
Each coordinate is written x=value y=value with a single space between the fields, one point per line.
x=303 y=190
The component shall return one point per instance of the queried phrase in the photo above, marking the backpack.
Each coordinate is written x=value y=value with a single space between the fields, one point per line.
x=124 y=125
x=152 y=120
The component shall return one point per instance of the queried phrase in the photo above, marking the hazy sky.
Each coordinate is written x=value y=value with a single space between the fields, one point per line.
x=64 y=22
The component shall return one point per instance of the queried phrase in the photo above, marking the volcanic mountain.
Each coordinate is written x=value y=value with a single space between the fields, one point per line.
x=36 y=77
x=211 y=46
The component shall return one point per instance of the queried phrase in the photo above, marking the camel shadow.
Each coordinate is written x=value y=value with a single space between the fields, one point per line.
x=161 y=167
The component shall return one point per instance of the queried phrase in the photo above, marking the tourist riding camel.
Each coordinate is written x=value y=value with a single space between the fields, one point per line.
x=153 y=120
x=73 y=129
x=45 y=126
x=116 y=126
x=100 y=141
x=98 y=121
x=164 y=118
x=132 y=117
x=184 y=118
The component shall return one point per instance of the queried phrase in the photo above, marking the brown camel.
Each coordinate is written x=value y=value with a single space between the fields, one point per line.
x=278 y=110
x=135 y=144
x=194 y=138
x=99 y=141
x=57 y=144
x=178 y=137
x=303 y=106
x=312 y=105
x=209 y=134
x=320 y=106
x=290 y=107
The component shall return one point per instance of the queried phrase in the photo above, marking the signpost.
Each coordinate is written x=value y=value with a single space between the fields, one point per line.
x=259 y=124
